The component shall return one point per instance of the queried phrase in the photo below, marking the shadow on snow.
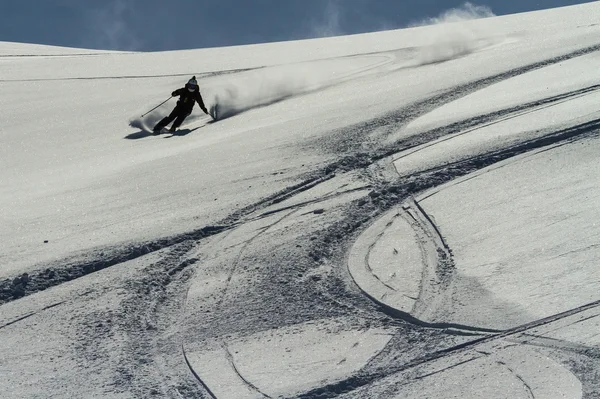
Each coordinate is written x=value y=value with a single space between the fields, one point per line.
x=178 y=133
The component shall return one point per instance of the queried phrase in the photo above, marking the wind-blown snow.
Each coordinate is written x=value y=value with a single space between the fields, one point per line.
x=265 y=86
x=394 y=214
x=450 y=37
x=466 y=12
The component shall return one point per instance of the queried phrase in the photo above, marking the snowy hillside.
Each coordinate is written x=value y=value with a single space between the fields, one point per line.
x=403 y=214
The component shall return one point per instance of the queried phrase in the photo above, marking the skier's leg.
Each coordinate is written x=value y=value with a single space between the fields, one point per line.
x=180 y=118
x=167 y=119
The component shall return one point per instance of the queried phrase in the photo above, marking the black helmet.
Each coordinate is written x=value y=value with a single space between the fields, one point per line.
x=192 y=84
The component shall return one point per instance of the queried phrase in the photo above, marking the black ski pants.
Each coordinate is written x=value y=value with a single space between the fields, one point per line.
x=178 y=114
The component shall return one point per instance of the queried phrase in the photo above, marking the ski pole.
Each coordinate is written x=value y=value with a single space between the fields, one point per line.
x=156 y=107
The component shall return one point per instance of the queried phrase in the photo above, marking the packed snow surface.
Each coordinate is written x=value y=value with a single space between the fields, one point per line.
x=400 y=214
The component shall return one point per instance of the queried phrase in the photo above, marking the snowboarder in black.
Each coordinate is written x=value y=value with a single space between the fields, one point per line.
x=188 y=95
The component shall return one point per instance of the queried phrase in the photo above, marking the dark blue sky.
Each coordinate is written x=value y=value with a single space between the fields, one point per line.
x=149 y=25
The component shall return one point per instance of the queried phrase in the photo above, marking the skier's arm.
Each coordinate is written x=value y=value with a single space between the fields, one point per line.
x=201 y=102
x=177 y=92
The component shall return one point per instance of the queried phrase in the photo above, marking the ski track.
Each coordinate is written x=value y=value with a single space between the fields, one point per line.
x=28 y=315
x=353 y=383
x=402 y=117
x=525 y=384
x=199 y=74
x=478 y=122
x=154 y=362
x=178 y=269
x=245 y=245
x=233 y=366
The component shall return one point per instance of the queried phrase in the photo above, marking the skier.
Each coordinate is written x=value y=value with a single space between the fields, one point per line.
x=188 y=95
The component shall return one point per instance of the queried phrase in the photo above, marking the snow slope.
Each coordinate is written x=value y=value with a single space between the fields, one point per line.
x=399 y=214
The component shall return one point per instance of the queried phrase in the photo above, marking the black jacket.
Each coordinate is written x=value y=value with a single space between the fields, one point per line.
x=187 y=99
